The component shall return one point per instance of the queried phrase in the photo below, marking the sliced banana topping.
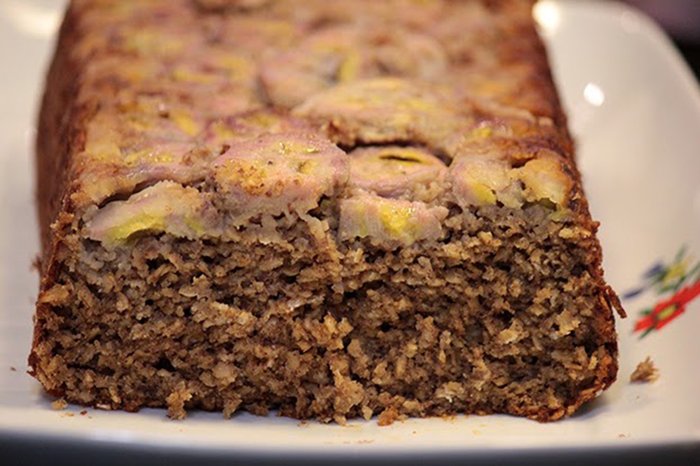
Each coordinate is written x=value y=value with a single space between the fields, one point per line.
x=394 y=171
x=478 y=180
x=164 y=207
x=485 y=179
x=282 y=172
x=117 y=157
x=384 y=110
x=339 y=54
x=222 y=132
x=255 y=35
x=544 y=178
x=394 y=221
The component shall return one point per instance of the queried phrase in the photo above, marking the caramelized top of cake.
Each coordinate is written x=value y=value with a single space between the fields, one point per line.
x=397 y=111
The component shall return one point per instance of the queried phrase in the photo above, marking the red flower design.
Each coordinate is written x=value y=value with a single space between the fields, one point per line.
x=667 y=310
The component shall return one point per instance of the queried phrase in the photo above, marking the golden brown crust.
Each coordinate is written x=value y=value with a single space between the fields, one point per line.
x=57 y=138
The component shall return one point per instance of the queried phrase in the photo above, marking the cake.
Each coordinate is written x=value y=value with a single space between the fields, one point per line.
x=331 y=209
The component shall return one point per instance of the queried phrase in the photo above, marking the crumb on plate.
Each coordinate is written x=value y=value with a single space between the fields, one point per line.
x=59 y=404
x=645 y=372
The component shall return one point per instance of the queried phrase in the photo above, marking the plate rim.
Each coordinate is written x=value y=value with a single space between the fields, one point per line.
x=682 y=71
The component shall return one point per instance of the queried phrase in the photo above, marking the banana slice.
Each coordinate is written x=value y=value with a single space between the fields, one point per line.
x=341 y=54
x=164 y=207
x=278 y=173
x=394 y=171
x=254 y=35
x=544 y=178
x=487 y=178
x=384 y=220
x=384 y=110
x=125 y=150
x=483 y=179
x=223 y=132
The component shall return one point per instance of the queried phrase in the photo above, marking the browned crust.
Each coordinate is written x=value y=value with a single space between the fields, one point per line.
x=55 y=137
x=57 y=140
x=579 y=204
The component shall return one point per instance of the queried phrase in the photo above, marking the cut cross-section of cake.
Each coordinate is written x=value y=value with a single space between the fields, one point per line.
x=330 y=209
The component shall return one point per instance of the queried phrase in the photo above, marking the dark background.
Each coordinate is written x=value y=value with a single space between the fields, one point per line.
x=691 y=52
x=681 y=20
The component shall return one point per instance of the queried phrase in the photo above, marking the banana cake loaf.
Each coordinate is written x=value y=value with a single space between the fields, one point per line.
x=331 y=209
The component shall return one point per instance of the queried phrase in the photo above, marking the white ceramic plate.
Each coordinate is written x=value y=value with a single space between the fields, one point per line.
x=635 y=110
